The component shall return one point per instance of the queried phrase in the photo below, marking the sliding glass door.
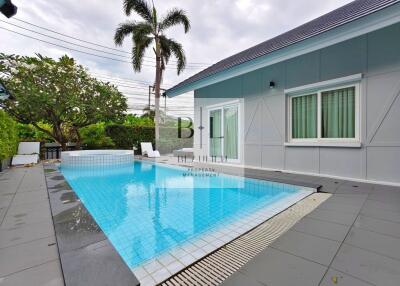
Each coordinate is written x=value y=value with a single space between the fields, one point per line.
x=224 y=132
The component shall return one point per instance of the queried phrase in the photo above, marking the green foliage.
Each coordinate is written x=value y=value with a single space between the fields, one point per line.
x=133 y=120
x=8 y=136
x=94 y=137
x=126 y=137
x=28 y=132
x=60 y=93
x=152 y=30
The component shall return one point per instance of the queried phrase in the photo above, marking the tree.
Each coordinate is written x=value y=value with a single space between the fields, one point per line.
x=57 y=92
x=152 y=31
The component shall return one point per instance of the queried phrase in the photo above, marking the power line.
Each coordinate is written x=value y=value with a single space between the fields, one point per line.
x=81 y=46
x=120 y=78
x=72 y=49
x=91 y=43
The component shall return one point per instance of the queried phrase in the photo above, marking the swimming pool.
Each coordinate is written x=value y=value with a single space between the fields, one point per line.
x=156 y=215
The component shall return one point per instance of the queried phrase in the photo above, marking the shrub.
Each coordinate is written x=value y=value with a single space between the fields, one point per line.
x=126 y=137
x=94 y=137
x=28 y=132
x=8 y=136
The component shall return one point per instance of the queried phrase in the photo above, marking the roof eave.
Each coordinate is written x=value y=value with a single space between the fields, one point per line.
x=367 y=24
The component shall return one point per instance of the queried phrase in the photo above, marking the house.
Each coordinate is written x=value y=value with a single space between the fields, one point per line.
x=320 y=99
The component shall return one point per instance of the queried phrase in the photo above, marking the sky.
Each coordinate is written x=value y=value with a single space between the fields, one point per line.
x=219 y=28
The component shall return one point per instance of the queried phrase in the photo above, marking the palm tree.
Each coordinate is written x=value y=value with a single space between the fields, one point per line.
x=152 y=31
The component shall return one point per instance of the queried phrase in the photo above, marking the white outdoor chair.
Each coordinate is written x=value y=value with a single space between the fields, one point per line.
x=28 y=153
x=147 y=150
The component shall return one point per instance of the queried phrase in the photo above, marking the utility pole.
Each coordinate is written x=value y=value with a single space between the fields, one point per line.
x=8 y=8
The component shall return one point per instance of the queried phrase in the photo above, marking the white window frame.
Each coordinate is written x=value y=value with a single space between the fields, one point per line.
x=319 y=141
x=222 y=106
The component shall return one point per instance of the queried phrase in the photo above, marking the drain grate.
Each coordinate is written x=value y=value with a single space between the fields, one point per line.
x=219 y=265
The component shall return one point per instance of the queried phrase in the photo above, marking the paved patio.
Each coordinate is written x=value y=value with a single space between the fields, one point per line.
x=28 y=250
x=351 y=239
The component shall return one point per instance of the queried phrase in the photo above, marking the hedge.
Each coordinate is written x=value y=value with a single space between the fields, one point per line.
x=8 y=136
x=126 y=137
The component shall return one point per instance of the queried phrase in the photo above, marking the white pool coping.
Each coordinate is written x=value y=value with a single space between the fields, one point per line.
x=162 y=267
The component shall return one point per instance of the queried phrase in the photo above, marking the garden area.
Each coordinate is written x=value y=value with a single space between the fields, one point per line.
x=58 y=101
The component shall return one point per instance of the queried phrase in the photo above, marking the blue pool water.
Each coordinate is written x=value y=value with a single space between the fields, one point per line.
x=146 y=209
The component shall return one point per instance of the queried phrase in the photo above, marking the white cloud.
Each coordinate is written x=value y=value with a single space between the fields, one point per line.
x=220 y=28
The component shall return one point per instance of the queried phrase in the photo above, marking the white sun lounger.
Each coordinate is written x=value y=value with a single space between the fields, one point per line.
x=147 y=150
x=28 y=153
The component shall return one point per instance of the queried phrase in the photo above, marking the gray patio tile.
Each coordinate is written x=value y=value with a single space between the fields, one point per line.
x=388 y=206
x=76 y=228
x=240 y=279
x=29 y=197
x=276 y=268
x=29 y=207
x=20 y=218
x=328 y=187
x=378 y=225
x=340 y=205
x=385 y=196
x=387 y=188
x=368 y=266
x=361 y=185
x=311 y=247
x=337 y=278
x=16 y=258
x=5 y=200
x=333 y=216
x=352 y=189
x=381 y=214
x=17 y=235
x=376 y=242
x=96 y=264
x=2 y=214
x=323 y=229
x=48 y=274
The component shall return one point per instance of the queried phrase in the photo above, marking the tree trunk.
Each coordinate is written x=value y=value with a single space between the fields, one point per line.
x=78 y=139
x=157 y=90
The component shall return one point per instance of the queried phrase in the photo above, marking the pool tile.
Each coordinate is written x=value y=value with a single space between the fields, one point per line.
x=178 y=253
x=161 y=274
x=166 y=259
x=187 y=259
x=200 y=243
x=140 y=272
x=152 y=266
x=147 y=281
x=199 y=253
x=174 y=267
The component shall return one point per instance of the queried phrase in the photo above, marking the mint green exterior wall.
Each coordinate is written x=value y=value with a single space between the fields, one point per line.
x=375 y=55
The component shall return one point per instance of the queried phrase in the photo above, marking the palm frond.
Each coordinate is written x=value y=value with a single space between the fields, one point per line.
x=141 y=30
x=175 y=17
x=122 y=31
x=138 y=51
x=140 y=7
x=176 y=49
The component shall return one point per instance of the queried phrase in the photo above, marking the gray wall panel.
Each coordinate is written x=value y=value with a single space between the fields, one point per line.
x=272 y=157
x=252 y=155
x=303 y=70
x=345 y=162
x=302 y=159
x=344 y=59
x=383 y=164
